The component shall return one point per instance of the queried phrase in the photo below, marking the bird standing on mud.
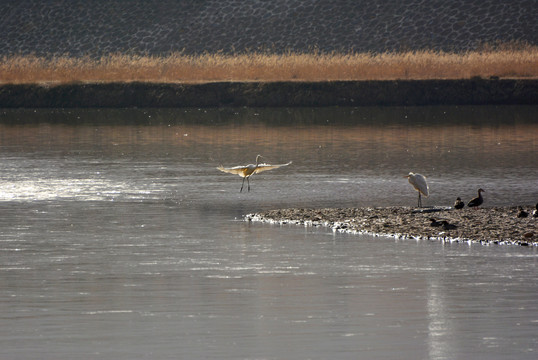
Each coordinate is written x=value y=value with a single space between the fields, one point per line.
x=522 y=213
x=248 y=170
x=535 y=212
x=459 y=204
x=477 y=201
x=419 y=183
x=449 y=226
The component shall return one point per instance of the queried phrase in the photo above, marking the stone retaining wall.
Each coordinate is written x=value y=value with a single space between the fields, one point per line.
x=96 y=27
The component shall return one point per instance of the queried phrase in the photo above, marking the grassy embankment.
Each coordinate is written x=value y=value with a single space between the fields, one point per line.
x=499 y=61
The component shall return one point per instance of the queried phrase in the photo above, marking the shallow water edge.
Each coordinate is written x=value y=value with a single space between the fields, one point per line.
x=493 y=225
x=474 y=91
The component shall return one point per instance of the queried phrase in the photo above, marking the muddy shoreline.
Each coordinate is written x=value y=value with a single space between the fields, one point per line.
x=489 y=225
x=475 y=91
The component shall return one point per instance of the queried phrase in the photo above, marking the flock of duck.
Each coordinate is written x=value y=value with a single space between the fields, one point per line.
x=419 y=183
x=417 y=180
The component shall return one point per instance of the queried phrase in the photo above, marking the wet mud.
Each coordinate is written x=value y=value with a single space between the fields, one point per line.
x=489 y=225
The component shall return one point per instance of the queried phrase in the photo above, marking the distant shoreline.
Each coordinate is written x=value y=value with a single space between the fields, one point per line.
x=475 y=91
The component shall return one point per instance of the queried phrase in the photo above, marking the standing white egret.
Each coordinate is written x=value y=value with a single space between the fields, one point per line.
x=248 y=170
x=419 y=183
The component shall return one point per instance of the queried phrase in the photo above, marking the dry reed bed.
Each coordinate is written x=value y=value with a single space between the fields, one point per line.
x=181 y=68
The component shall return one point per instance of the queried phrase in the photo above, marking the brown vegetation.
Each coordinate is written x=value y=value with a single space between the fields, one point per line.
x=502 y=62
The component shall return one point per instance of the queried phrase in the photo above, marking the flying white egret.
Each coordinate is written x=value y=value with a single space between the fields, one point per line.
x=477 y=201
x=419 y=183
x=248 y=170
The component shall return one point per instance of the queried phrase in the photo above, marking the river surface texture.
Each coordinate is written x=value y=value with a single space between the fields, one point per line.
x=119 y=238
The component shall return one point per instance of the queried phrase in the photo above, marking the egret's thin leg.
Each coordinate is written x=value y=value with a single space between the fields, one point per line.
x=243 y=183
x=248 y=182
x=419 y=200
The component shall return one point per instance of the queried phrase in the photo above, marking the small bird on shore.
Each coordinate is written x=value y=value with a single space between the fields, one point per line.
x=459 y=204
x=419 y=183
x=522 y=213
x=248 y=170
x=442 y=223
x=477 y=201
x=535 y=212
x=448 y=226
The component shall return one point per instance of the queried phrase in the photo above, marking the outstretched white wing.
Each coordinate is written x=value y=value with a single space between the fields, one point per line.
x=239 y=170
x=264 y=167
x=244 y=171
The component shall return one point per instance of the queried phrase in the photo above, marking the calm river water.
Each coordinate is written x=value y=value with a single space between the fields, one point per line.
x=119 y=238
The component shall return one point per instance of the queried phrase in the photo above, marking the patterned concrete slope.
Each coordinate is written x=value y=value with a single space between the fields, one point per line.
x=82 y=27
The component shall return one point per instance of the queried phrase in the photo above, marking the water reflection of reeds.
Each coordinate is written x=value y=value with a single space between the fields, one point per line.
x=401 y=127
x=360 y=149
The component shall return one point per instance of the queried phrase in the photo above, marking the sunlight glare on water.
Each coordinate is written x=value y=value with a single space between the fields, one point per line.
x=120 y=238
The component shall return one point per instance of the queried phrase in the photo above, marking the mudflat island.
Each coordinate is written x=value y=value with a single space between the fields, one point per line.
x=506 y=225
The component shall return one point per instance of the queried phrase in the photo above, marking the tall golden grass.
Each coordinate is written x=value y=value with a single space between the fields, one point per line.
x=519 y=62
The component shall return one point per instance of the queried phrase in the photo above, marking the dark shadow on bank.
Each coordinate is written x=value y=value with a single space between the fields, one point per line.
x=475 y=91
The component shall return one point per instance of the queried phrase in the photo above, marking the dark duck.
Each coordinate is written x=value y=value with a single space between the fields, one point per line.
x=477 y=201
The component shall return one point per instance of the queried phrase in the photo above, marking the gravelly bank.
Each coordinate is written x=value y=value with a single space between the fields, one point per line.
x=490 y=225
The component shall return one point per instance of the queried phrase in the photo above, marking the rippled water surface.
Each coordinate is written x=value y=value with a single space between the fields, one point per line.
x=119 y=238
